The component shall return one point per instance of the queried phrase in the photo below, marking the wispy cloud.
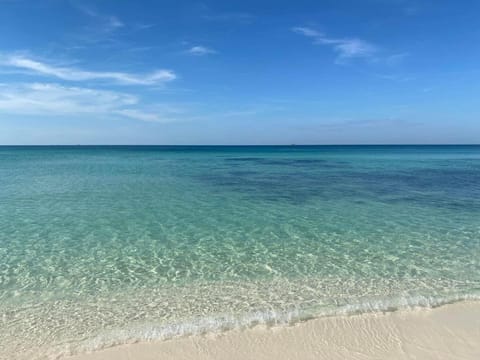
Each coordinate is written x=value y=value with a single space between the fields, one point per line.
x=99 y=29
x=307 y=32
x=113 y=23
x=366 y=123
x=56 y=99
x=396 y=59
x=106 y=23
x=49 y=99
x=143 y=26
x=200 y=50
x=346 y=48
x=142 y=115
x=395 y=77
x=73 y=74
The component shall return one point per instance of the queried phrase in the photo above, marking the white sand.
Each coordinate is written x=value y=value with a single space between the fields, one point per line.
x=449 y=332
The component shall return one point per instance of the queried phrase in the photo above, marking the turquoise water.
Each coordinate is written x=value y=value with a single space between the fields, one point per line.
x=109 y=245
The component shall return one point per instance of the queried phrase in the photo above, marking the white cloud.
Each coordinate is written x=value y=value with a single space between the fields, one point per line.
x=72 y=74
x=346 y=48
x=111 y=23
x=307 y=32
x=200 y=50
x=57 y=100
x=143 y=115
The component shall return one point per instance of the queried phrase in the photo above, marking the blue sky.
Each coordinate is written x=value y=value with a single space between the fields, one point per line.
x=239 y=72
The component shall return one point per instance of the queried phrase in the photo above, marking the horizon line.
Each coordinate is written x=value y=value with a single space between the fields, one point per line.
x=245 y=145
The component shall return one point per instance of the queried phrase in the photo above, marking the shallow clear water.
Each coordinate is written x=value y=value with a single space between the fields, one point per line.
x=107 y=245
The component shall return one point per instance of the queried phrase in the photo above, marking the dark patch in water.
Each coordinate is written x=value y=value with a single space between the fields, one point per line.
x=243 y=173
x=289 y=162
x=448 y=188
x=253 y=159
x=294 y=187
x=452 y=188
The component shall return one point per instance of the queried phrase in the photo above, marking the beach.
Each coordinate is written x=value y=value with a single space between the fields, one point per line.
x=239 y=180
x=448 y=332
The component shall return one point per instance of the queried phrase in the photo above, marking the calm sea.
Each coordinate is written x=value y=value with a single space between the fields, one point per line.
x=109 y=245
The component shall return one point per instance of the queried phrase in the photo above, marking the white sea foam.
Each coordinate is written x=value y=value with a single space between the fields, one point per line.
x=219 y=324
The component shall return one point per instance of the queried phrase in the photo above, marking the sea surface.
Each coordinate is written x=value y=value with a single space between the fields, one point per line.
x=110 y=245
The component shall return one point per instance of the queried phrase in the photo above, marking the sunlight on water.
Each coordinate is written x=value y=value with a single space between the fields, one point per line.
x=101 y=246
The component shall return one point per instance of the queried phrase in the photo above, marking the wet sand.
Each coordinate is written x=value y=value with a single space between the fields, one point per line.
x=448 y=332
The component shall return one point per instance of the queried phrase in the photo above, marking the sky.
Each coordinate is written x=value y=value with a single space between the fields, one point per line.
x=239 y=72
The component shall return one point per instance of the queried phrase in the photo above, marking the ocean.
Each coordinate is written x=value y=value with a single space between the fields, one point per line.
x=106 y=245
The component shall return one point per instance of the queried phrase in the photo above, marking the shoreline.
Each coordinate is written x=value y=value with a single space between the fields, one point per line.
x=446 y=332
